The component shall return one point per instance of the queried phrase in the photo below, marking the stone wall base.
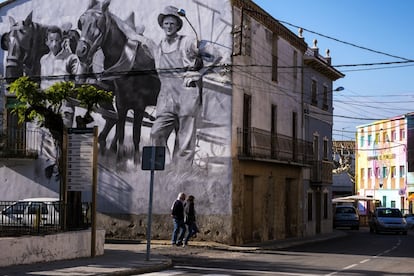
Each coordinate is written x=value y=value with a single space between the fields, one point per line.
x=215 y=228
x=61 y=246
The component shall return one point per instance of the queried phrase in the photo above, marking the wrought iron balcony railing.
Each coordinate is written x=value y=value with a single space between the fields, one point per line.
x=258 y=143
x=321 y=172
x=19 y=143
x=261 y=144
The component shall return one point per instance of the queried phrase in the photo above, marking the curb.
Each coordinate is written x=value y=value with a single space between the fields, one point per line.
x=155 y=268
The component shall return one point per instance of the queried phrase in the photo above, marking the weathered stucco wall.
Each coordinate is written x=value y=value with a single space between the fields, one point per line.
x=33 y=249
x=130 y=227
x=267 y=202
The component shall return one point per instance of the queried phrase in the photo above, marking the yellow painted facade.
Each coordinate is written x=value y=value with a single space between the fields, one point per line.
x=382 y=162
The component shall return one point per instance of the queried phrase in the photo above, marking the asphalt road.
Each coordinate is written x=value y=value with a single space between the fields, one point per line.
x=358 y=253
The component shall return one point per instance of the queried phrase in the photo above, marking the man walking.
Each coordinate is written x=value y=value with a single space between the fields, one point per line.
x=177 y=213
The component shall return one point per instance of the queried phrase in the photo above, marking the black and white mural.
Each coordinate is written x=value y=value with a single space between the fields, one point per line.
x=167 y=63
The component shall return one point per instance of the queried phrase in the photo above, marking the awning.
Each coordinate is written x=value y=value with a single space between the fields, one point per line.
x=342 y=200
x=352 y=198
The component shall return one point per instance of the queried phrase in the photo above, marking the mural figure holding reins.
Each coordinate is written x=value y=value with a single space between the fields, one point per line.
x=179 y=101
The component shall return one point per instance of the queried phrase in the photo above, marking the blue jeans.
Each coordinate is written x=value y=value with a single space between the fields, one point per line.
x=192 y=230
x=179 y=230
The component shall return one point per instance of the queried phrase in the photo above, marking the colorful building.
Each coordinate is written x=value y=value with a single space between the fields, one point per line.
x=385 y=162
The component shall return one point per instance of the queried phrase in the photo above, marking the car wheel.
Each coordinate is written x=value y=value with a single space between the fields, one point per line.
x=404 y=232
x=371 y=230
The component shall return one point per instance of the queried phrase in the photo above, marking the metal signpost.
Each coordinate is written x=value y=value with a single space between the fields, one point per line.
x=80 y=159
x=153 y=158
x=81 y=168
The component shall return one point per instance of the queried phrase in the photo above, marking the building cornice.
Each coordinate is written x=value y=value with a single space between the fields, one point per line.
x=322 y=67
x=253 y=10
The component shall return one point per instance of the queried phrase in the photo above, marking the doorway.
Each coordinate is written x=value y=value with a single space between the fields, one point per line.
x=248 y=207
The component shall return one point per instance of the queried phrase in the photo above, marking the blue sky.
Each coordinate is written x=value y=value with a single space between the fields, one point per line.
x=372 y=91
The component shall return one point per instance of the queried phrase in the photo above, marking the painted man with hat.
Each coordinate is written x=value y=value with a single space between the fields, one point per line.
x=179 y=101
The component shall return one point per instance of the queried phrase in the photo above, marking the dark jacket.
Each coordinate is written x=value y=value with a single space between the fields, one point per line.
x=177 y=210
x=190 y=213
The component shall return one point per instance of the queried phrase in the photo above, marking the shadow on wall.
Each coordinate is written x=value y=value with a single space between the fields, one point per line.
x=27 y=173
x=114 y=192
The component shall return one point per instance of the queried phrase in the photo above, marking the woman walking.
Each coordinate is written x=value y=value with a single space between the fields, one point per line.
x=190 y=219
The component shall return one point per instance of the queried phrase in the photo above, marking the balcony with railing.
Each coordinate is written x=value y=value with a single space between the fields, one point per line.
x=19 y=143
x=254 y=143
x=261 y=144
x=321 y=172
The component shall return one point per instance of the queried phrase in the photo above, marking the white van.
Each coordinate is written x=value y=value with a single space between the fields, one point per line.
x=27 y=212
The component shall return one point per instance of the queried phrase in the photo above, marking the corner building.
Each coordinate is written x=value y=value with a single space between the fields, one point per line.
x=256 y=162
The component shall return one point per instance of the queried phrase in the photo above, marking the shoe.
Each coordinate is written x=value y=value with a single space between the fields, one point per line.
x=179 y=243
x=194 y=236
x=184 y=245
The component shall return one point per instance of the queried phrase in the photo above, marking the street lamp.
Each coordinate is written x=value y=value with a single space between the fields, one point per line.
x=339 y=88
x=181 y=12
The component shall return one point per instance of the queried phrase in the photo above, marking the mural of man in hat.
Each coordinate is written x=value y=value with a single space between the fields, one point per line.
x=179 y=101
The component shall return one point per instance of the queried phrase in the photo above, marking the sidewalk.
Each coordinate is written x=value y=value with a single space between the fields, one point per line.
x=129 y=259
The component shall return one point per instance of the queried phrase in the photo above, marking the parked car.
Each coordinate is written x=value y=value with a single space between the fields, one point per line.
x=388 y=220
x=409 y=218
x=346 y=216
x=31 y=212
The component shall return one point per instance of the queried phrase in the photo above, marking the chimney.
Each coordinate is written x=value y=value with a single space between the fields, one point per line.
x=315 y=48
x=328 y=57
x=300 y=33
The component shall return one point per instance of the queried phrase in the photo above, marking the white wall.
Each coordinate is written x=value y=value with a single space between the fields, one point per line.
x=34 y=249
x=124 y=188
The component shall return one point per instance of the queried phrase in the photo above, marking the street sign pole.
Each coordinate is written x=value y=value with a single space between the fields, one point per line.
x=153 y=158
x=151 y=189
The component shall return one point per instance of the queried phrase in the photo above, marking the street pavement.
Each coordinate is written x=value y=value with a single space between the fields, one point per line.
x=127 y=258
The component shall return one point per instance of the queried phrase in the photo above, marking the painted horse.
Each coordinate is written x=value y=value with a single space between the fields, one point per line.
x=26 y=44
x=128 y=63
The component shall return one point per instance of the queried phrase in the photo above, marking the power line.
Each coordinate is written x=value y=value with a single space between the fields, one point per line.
x=389 y=102
x=378 y=68
x=346 y=43
x=280 y=90
x=384 y=95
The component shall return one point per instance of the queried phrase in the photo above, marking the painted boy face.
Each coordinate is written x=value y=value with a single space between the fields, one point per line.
x=54 y=42
x=170 y=25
